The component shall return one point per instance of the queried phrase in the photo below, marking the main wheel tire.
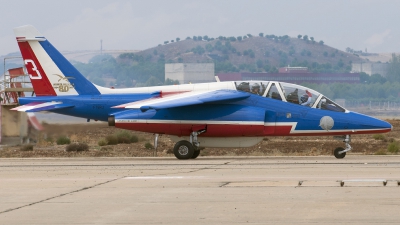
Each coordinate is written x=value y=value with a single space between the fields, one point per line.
x=195 y=154
x=183 y=150
x=339 y=155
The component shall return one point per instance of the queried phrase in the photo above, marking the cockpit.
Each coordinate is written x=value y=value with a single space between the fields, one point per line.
x=291 y=93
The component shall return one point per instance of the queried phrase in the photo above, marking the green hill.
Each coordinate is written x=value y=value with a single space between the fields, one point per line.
x=256 y=53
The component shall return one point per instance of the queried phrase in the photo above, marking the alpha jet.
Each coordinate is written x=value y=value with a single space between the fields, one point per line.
x=195 y=116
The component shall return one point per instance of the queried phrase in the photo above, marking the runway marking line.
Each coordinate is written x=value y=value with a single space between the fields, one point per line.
x=162 y=177
x=152 y=178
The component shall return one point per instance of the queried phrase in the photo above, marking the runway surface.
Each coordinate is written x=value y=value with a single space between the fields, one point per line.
x=237 y=190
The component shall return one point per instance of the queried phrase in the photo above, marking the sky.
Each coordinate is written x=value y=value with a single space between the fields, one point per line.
x=137 y=25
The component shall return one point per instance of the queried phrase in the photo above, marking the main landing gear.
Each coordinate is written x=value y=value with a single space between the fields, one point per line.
x=340 y=152
x=188 y=149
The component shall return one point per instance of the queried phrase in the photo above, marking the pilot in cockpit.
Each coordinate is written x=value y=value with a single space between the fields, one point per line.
x=306 y=99
x=255 y=89
x=328 y=105
x=244 y=86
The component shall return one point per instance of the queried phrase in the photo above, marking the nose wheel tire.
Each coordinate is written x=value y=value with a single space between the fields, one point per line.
x=339 y=155
x=183 y=150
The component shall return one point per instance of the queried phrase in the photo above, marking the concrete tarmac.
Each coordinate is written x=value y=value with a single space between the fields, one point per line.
x=208 y=190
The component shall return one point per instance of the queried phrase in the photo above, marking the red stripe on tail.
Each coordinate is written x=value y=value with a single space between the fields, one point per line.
x=40 y=82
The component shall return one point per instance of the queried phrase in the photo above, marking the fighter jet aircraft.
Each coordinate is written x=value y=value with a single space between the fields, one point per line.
x=195 y=116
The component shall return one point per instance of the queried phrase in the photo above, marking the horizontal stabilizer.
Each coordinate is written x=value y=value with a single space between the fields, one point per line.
x=186 y=99
x=42 y=106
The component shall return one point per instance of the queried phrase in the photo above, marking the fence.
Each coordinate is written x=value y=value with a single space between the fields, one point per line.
x=373 y=105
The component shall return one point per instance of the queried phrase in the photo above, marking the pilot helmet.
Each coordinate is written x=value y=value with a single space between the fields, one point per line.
x=244 y=86
x=255 y=86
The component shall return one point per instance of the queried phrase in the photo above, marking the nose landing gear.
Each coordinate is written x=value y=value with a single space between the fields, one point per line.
x=340 y=152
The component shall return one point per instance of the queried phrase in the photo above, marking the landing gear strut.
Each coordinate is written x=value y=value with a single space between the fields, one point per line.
x=188 y=150
x=340 y=152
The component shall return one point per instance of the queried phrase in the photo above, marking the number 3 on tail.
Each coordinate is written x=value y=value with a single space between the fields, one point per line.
x=34 y=69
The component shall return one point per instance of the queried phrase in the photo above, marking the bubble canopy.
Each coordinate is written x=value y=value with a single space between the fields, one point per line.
x=291 y=93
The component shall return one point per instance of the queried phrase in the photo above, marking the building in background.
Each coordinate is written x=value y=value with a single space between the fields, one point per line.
x=187 y=73
x=370 y=68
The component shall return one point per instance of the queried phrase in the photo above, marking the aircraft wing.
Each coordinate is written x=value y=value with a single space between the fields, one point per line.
x=42 y=106
x=186 y=99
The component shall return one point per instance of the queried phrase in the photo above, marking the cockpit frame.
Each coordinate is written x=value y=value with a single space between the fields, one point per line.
x=320 y=99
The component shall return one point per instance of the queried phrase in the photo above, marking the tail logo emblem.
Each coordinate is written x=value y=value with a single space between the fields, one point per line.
x=63 y=86
x=63 y=78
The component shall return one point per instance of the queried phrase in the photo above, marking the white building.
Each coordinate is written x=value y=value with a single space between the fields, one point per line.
x=370 y=68
x=190 y=72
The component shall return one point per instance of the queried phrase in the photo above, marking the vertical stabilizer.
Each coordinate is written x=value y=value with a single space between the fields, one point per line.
x=50 y=72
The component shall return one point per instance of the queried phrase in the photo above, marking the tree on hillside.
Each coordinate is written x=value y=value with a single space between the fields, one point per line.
x=251 y=54
x=155 y=52
x=261 y=34
x=198 y=50
x=245 y=36
x=103 y=58
x=188 y=38
x=209 y=48
x=364 y=78
x=292 y=51
x=172 y=41
x=239 y=38
x=166 y=42
x=321 y=42
x=153 y=81
x=200 y=38
x=377 y=78
x=171 y=82
x=249 y=35
x=305 y=37
x=205 y=37
x=312 y=39
x=260 y=63
x=194 y=38
x=299 y=36
x=177 y=39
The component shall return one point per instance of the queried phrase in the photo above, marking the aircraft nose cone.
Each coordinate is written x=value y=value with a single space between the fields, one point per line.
x=390 y=126
x=382 y=125
x=385 y=124
x=370 y=124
